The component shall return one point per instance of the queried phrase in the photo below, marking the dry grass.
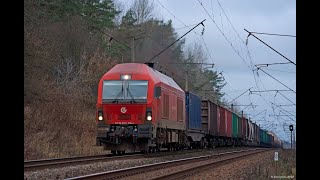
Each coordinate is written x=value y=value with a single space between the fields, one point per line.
x=59 y=129
x=60 y=121
x=285 y=168
x=63 y=65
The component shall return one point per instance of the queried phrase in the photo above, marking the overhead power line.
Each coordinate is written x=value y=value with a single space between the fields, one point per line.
x=266 y=65
x=205 y=45
x=185 y=27
x=276 y=80
x=211 y=64
x=279 y=115
x=111 y=37
x=271 y=90
x=270 y=47
x=286 y=119
x=259 y=113
x=240 y=95
x=243 y=105
x=171 y=13
x=269 y=69
x=225 y=36
x=282 y=109
x=286 y=98
x=273 y=34
x=225 y=14
x=176 y=41
x=174 y=74
x=230 y=22
x=197 y=88
x=249 y=106
x=194 y=32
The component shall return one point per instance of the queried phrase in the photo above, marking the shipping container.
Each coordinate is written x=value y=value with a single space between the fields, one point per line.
x=193 y=111
x=255 y=132
x=264 y=137
x=239 y=127
x=267 y=136
x=252 y=131
x=274 y=140
x=270 y=142
x=234 y=125
x=229 y=123
x=205 y=116
x=258 y=134
x=247 y=128
x=243 y=128
x=271 y=139
x=223 y=122
x=210 y=120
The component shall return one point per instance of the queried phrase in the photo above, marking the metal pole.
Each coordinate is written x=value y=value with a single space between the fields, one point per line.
x=294 y=140
x=132 y=49
x=291 y=139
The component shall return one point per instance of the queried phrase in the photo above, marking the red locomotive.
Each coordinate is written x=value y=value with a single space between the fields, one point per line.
x=130 y=113
x=141 y=109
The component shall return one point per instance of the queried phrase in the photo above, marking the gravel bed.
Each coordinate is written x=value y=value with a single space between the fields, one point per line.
x=84 y=169
x=165 y=171
x=161 y=172
x=240 y=169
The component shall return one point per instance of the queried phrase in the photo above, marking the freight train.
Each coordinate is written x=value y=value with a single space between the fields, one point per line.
x=141 y=109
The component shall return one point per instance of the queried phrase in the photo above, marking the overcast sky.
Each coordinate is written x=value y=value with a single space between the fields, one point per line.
x=272 y=16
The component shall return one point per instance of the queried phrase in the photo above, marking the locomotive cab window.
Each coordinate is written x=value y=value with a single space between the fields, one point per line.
x=125 y=91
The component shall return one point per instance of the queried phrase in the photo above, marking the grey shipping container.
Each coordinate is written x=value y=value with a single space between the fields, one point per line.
x=239 y=127
x=210 y=119
x=193 y=111
x=223 y=122
x=205 y=116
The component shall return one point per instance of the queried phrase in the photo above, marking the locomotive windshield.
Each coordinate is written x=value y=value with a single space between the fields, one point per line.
x=125 y=91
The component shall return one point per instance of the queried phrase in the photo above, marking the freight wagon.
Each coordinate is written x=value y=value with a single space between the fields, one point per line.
x=140 y=109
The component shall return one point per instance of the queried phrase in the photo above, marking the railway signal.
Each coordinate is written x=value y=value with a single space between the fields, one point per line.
x=291 y=129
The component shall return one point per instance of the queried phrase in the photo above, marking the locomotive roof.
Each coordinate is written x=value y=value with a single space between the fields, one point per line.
x=166 y=79
x=143 y=69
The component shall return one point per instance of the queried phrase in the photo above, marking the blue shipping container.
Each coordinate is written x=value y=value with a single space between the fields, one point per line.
x=193 y=111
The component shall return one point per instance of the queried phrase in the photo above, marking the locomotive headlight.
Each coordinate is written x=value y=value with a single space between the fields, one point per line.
x=100 y=116
x=125 y=77
x=149 y=116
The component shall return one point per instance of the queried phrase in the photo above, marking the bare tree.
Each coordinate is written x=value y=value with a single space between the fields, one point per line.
x=120 y=7
x=196 y=52
x=143 y=10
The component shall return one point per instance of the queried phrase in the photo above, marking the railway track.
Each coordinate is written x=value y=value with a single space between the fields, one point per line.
x=62 y=162
x=184 y=167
